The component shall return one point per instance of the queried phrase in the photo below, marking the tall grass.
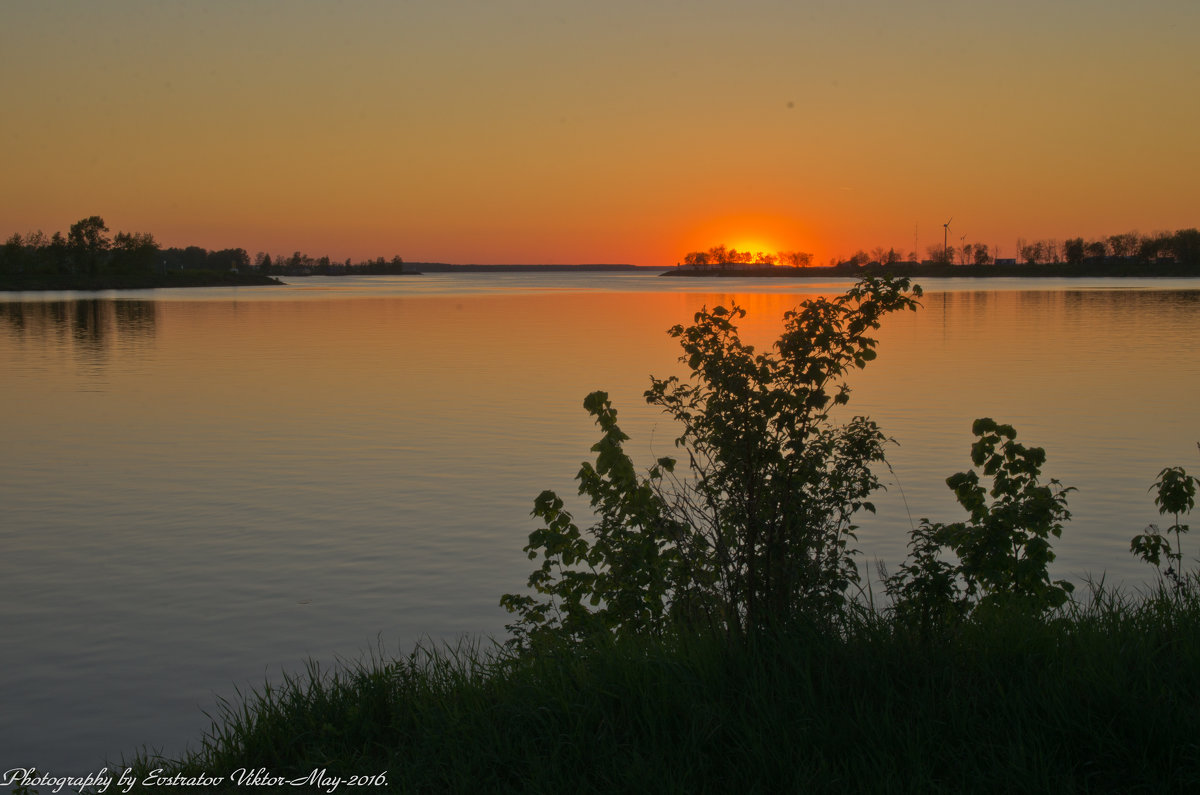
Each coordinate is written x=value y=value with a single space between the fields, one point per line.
x=1101 y=697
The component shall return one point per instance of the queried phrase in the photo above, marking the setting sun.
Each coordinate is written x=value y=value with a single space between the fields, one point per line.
x=754 y=233
x=753 y=245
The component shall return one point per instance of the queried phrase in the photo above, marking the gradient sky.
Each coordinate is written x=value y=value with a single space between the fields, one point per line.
x=616 y=131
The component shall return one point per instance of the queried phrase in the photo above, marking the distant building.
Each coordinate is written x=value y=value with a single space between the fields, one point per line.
x=1005 y=261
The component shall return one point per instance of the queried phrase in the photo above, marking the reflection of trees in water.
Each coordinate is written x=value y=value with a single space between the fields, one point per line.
x=88 y=330
x=1149 y=301
x=136 y=317
x=1043 y=303
x=91 y=325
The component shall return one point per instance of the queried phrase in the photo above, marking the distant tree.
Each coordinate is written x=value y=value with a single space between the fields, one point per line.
x=857 y=259
x=88 y=242
x=56 y=252
x=227 y=259
x=884 y=256
x=136 y=251
x=1096 y=250
x=763 y=258
x=1054 y=251
x=718 y=255
x=1125 y=245
x=195 y=258
x=1031 y=253
x=38 y=255
x=795 y=259
x=941 y=255
x=1074 y=250
x=1185 y=244
x=88 y=234
x=980 y=254
x=299 y=263
x=1151 y=248
x=12 y=255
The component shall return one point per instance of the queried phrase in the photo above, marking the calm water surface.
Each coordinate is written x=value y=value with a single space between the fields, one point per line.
x=202 y=488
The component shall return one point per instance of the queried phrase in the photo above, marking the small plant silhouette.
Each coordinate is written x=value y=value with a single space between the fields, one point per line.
x=1176 y=497
x=1004 y=548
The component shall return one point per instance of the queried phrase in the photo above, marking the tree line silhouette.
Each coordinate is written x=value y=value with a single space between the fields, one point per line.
x=88 y=252
x=1181 y=247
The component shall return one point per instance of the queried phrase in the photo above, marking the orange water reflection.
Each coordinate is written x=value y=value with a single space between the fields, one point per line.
x=228 y=485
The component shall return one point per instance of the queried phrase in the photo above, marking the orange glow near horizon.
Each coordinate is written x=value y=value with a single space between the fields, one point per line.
x=754 y=233
x=348 y=130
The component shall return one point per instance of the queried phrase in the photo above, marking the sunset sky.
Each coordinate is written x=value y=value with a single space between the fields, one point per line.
x=616 y=131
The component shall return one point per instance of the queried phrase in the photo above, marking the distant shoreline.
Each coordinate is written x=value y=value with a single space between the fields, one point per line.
x=206 y=278
x=183 y=278
x=912 y=269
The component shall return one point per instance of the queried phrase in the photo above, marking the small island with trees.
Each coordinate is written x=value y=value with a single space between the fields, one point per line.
x=88 y=259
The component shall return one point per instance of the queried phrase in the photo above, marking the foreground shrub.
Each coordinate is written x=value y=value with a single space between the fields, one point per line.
x=1003 y=549
x=754 y=531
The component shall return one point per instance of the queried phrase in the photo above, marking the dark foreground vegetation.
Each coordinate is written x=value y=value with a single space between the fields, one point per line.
x=710 y=630
x=1098 y=699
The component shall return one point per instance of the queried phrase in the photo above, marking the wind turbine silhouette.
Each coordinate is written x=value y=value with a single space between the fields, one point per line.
x=946 y=240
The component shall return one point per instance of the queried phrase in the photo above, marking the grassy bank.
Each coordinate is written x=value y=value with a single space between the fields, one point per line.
x=1095 y=699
